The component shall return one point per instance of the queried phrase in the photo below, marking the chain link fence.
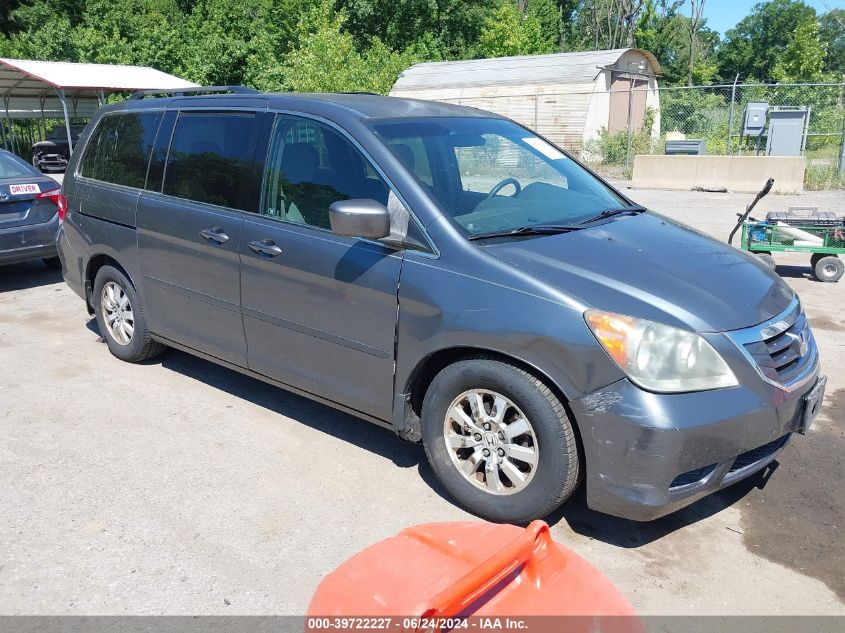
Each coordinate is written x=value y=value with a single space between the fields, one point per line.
x=716 y=115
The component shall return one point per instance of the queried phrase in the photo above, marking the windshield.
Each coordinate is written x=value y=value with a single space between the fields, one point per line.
x=13 y=167
x=492 y=175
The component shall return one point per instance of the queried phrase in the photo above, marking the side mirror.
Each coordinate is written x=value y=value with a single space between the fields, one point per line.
x=360 y=218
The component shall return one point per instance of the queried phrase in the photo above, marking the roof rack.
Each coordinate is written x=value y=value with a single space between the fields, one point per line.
x=179 y=92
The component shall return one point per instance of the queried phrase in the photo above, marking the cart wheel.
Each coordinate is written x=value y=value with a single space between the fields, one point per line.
x=815 y=257
x=767 y=259
x=829 y=268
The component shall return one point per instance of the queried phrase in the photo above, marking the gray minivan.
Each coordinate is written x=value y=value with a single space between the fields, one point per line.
x=446 y=273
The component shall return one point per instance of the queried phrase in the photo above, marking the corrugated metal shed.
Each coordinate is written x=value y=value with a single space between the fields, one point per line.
x=567 y=97
x=558 y=68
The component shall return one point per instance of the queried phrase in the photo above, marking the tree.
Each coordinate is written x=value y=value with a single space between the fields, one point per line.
x=325 y=57
x=548 y=15
x=832 y=34
x=603 y=24
x=803 y=58
x=696 y=20
x=755 y=45
x=510 y=32
x=446 y=28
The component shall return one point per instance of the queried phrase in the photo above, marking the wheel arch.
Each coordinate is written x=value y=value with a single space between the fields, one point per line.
x=92 y=267
x=427 y=368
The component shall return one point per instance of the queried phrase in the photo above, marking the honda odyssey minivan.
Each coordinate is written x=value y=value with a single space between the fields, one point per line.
x=446 y=273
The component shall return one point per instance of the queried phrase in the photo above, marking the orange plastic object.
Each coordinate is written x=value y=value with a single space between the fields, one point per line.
x=441 y=570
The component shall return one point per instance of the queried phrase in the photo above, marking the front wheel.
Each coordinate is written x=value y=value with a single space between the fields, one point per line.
x=499 y=440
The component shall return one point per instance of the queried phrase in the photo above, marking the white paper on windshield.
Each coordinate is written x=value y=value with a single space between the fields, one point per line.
x=549 y=151
x=19 y=190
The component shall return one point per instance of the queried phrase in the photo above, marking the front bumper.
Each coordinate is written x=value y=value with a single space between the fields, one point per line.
x=650 y=454
x=32 y=241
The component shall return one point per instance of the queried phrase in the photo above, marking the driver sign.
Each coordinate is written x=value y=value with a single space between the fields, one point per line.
x=20 y=190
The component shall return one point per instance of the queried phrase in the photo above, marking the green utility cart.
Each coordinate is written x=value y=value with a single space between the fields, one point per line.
x=800 y=230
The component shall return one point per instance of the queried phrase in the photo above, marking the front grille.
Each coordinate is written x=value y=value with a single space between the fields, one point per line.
x=758 y=454
x=785 y=350
x=692 y=476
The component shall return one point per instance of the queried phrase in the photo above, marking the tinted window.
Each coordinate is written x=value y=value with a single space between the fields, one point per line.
x=310 y=165
x=13 y=167
x=155 y=174
x=413 y=154
x=119 y=148
x=210 y=156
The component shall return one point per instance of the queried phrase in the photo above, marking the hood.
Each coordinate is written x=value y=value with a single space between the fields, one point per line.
x=650 y=267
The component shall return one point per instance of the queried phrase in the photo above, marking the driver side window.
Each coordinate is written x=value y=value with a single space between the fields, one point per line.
x=310 y=166
x=482 y=167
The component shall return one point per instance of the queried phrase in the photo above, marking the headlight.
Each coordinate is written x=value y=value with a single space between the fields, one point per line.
x=659 y=357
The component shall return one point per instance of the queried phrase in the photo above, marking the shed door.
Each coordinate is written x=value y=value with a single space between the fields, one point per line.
x=619 y=99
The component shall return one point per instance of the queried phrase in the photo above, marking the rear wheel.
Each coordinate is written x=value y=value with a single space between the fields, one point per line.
x=120 y=317
x=829 y=268
x=499 y=440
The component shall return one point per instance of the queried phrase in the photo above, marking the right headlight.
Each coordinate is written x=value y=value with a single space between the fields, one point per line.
x=660 y=357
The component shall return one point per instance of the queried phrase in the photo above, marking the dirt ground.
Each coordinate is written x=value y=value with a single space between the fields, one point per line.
x=179 y=487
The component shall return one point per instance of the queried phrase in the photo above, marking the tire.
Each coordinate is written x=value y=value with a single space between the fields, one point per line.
x=767 y=259
x=829 y=269
x=814 y=259
x=111 y=291
x=550 y=441
x=53 y=263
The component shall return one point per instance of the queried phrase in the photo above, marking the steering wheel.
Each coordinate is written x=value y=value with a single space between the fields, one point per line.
x=504 y=183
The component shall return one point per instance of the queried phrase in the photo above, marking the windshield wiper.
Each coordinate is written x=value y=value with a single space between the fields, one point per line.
x=633 y=209
x=547 y=229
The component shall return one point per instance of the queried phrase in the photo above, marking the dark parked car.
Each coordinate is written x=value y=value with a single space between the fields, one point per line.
x=31 y=207
x=448 y=274
x=53 y=153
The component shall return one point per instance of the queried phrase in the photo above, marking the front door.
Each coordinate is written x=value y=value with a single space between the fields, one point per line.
x=319 y=310
x=189 y=230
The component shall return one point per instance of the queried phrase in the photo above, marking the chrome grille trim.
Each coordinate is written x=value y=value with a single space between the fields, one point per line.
x=773 y=348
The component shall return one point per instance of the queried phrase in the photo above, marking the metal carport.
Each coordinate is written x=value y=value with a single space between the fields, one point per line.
x=32 y=89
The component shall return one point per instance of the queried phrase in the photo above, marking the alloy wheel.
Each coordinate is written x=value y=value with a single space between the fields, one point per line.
x=491 y=442
x=117 y=313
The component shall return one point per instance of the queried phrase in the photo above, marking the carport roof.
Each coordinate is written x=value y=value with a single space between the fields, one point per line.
x=27 y=86
x=28 y=77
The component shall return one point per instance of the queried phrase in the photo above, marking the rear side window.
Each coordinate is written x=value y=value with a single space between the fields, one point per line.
x=13 y=167
x=210 y=156
x=119 y=148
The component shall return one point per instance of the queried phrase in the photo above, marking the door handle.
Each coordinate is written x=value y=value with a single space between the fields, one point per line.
x=265 y=248
x=215 y=235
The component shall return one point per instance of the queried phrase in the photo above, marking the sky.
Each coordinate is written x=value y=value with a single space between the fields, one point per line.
x=724 y=14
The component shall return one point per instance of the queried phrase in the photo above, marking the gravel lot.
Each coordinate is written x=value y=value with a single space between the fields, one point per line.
x=179 y=487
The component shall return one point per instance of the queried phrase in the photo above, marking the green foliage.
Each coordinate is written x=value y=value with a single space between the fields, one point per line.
x=758 y=41
x=832 y=34
x=611 y=148
x=365 y=44
x=325 y=58
x=823 y=175
x=448 y=28
x=548 y=15
x=508 y=32
x=803 y=58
